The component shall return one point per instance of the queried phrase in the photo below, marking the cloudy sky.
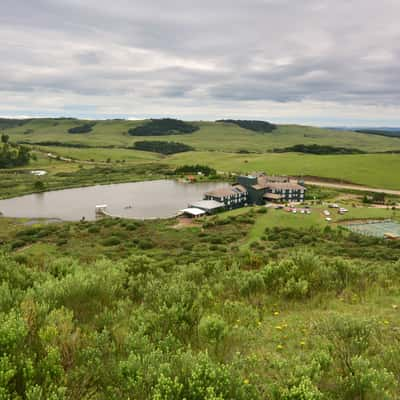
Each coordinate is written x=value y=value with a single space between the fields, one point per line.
x=322 y=62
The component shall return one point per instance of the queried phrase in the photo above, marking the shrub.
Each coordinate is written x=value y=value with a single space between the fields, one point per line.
x=145 y=244
x=111 y=241
x=94 y=229
x=85 y=128
x=18 y=244
x=38 y=186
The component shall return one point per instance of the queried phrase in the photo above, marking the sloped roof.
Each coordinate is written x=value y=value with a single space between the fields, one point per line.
x=221 y=192
x=228 y=191
x=285 y=186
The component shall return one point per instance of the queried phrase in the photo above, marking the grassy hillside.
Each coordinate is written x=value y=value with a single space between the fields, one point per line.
x=378 y=170
x=211 y=136
x=224 y=146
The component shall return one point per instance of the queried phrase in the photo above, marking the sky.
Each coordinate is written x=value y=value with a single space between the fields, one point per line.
x=318 y=62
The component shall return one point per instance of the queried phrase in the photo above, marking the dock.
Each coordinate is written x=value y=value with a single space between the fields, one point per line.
x=101 y=211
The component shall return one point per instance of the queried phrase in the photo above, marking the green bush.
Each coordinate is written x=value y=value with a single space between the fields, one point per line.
x=111 y=241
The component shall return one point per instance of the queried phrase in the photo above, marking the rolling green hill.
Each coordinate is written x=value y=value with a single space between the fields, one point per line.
x=219 y=136
x=224 y=146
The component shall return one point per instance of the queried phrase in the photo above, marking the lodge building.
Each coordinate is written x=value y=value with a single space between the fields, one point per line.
x=258 y=188
x=232 y=197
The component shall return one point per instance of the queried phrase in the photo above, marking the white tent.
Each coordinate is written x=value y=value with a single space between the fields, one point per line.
x=193 y=212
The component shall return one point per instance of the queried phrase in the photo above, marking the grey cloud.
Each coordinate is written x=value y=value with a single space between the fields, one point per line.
x=221 y=52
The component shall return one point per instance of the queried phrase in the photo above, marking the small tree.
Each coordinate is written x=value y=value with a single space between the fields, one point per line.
x=38 y=186
x=5 y=138
x=213 y=329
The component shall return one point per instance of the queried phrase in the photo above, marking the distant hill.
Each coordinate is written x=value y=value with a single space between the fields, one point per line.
x=232 y=136
x=382 y=131
x=391 y=133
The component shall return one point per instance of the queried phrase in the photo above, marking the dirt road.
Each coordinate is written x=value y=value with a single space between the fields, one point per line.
x=351 y=187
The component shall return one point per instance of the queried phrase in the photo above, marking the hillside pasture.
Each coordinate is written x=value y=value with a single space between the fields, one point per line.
x=211 y=136
x=375 y=170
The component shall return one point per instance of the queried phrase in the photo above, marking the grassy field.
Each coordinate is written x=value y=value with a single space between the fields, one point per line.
x=377 y=170
x=217 y=145
x=211 y=136
x=102 y=155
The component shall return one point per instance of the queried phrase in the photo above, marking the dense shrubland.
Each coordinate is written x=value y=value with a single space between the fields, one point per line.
x=162 y=127
x=84 y=128
x=126 y=309
x=256 y=126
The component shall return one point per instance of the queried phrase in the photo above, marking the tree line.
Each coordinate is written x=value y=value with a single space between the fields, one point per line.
x=162 y=147
x=318 y=149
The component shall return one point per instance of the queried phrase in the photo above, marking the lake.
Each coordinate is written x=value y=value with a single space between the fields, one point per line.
x=143 y=200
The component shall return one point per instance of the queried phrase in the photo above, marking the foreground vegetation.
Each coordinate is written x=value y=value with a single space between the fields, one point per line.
x=154 y=310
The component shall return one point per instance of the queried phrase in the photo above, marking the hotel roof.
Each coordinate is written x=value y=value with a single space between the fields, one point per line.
x=228 y=191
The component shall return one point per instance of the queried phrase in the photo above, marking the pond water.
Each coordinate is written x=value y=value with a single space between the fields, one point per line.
x=144 y=200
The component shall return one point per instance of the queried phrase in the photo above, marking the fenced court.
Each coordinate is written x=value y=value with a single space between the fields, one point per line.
x=376 y=228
